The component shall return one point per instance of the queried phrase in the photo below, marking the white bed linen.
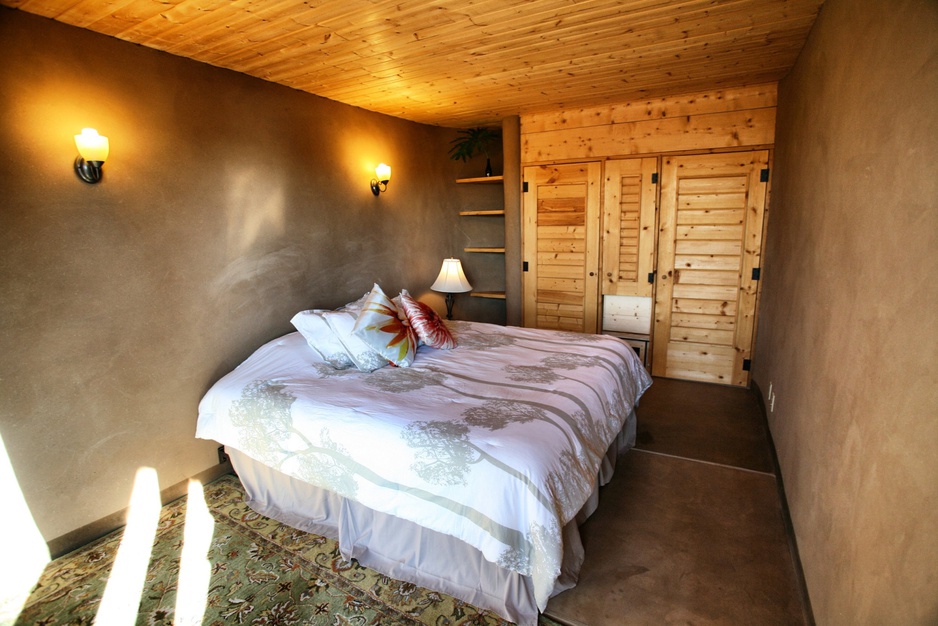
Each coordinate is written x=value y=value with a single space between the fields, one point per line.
x=497 y=442
x=407 y=551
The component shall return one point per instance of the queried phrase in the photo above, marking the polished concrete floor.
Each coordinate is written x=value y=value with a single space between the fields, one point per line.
x=690 y=530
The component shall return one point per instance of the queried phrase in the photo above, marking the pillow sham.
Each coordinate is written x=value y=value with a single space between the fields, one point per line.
x=321 y=338
x=355 y=307
x=342 y=324
x=428 y=326
x=380 y=326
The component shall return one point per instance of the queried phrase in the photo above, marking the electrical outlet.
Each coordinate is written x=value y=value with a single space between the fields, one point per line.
x=222 y=455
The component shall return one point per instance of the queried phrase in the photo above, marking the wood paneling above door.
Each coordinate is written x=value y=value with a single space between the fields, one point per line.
x=732 y=119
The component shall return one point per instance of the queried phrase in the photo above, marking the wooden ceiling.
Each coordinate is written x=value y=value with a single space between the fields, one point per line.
x=464 y=63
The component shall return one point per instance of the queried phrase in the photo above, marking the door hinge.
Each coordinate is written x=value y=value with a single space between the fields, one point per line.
x=764 y=176
x=756 y=273
x=654 y=178
x=524 y=187
x=524 y=266
x=651 y=278
x=747 y=365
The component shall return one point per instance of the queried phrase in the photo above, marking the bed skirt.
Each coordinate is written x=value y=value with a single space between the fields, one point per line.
x=407 y=551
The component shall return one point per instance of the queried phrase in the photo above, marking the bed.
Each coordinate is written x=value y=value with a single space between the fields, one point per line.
x=466 y=472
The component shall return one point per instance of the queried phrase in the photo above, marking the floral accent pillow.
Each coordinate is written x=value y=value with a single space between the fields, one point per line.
x=320 y=337
x=431 y=330
x=380 y=326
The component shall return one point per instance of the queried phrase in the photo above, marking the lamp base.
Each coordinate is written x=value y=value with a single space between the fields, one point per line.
x=450 y=299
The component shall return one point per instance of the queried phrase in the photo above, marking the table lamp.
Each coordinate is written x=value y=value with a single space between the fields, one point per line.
x=451 y=281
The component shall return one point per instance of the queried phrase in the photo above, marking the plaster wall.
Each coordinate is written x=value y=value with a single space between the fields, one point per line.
x=848 y=334
x=228 y=204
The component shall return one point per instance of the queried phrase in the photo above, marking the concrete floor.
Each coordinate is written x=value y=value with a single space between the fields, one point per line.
x=690 y=530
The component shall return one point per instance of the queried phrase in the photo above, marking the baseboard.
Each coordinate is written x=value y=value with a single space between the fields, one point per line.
x=559 y=621
x=89 y=532
x=786 y=513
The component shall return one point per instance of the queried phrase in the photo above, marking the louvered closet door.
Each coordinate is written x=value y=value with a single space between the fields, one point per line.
x=629 y=227
x=710 y=239
x=561 y=246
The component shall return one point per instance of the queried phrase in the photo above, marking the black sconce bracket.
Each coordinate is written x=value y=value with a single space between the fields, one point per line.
x=378 y=186
x=88 y=171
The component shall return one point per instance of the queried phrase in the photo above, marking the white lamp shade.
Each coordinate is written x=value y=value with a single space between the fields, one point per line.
x=383 y=172
x=451 y=278
x=91 y=145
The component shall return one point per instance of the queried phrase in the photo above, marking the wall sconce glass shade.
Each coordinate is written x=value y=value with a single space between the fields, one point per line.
x=93 y=149
x=382 y=175
x=451 y=281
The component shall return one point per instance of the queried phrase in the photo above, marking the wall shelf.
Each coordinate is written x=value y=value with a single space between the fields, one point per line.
x=493 y=283
x=480 y=180
x=477 y=213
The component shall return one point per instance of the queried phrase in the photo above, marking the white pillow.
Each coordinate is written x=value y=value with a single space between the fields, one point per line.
x=356 y=306
x=321 y=338
x=342 y=324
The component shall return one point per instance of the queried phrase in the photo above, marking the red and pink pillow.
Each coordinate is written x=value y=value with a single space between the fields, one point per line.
x=426 y=323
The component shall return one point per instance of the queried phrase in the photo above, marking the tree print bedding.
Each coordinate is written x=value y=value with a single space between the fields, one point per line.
x=496 y=442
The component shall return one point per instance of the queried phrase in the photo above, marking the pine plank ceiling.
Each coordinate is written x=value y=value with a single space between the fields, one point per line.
x=463 y=63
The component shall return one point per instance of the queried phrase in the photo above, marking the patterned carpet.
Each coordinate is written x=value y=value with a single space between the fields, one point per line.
x=262 y=573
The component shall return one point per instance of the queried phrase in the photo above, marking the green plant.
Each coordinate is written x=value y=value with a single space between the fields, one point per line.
x=473 y=141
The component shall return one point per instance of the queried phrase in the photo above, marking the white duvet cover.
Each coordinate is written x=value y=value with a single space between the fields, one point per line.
x=497 y=442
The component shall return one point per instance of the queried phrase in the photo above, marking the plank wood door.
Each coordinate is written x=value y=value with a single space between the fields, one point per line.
x=709 y=242
x=628 y=240
x=560 y=246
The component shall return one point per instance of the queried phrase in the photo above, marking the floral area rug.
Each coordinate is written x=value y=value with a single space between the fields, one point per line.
x=262 y=573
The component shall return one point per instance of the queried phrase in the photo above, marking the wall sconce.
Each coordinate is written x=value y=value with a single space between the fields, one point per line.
x=382 y=175
x=451 y=281
x=93 y=149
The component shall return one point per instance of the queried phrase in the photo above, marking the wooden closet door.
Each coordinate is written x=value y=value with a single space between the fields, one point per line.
x=560 y=246
x=628 y=239
x=709 y=243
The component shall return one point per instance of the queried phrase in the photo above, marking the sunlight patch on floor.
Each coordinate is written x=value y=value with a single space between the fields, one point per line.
x=125 y=585
x=195 y=569
x=21 y=543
